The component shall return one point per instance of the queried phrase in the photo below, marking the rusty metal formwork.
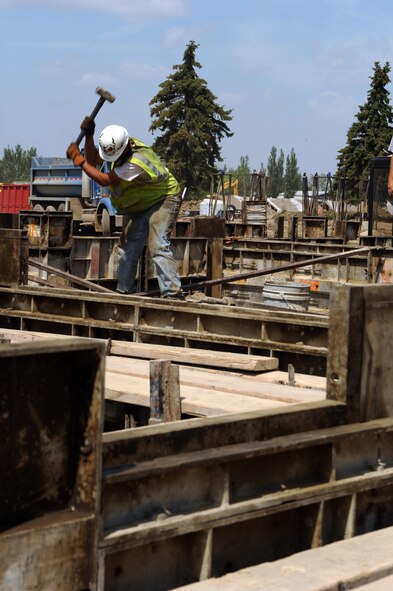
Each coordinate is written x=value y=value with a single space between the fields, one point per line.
x=145 y=319
x=51 y=418
x=187 y=501
x=245 y=255
x=13 y=257
x=170 y=519
x=268 y=486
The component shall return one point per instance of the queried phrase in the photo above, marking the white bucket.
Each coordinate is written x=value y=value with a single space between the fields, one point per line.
x=288 y=295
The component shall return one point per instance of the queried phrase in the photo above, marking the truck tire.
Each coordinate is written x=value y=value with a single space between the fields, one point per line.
x=106 y=223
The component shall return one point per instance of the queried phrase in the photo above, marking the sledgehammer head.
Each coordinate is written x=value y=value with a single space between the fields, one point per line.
x=105 y=94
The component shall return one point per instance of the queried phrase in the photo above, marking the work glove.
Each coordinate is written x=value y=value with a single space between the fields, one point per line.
x=88 y=124
x=74 y=154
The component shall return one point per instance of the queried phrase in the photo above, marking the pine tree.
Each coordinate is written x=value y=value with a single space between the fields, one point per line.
x=15 y=164
x=370 y=133
x=292 y=177
x=191 y=123
x=275 y=172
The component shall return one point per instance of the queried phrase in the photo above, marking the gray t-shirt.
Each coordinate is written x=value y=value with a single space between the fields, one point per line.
x=130 y=172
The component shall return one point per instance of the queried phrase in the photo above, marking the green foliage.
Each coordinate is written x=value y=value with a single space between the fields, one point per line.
x=191 y=125
x=243 y=174
x=275 y=172
x=287 y=182
x=292 y=177
x=15 y=164
x=370 y=133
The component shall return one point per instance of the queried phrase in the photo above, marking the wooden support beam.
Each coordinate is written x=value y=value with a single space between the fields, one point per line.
x=164 y=392
x=214 y=266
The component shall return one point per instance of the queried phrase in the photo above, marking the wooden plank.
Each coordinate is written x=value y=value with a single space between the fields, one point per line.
x=194 y=356
x=213 y=381
x=380 y=585
x=194 y=400
x=184 y=355
x=29 y=336
x=301 y=380
x=307 y=388
x=342 y=565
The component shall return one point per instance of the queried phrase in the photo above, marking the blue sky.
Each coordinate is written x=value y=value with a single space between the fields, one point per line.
x=294 y=72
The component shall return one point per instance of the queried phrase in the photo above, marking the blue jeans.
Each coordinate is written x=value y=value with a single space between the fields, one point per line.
x=153 y=227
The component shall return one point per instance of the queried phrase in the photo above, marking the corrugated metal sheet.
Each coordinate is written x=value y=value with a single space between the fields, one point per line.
x=14 y=197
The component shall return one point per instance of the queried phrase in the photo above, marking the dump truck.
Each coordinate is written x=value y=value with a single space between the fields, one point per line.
x=57 y=185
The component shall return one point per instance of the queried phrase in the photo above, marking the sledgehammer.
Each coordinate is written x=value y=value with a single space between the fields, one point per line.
x=104 y=96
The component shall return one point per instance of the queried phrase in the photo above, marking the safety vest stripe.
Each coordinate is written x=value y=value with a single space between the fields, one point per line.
x=160 y=176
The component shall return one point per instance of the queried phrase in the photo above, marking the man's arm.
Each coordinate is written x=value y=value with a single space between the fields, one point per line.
x=102 y=178
x=91 y=152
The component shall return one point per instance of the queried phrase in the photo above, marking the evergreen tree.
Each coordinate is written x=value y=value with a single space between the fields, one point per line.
x=275 y=172
x=191 y=123
x=15 y=164
x=292 y=177
x=370 y=133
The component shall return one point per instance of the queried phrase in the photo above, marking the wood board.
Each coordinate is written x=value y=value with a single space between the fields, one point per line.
x=204 y=391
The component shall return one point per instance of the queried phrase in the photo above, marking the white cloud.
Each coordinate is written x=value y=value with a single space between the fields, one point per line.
x=82 y=77
x=142 y=71
x=93 y=79
x=149 y=9
x=331 y=103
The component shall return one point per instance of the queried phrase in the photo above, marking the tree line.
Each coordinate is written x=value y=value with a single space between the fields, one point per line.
x=189 y=125
x=283 y=175
x=15 y=164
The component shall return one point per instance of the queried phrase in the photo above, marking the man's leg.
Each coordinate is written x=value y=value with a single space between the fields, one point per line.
x=132 y=242
x=161 y=224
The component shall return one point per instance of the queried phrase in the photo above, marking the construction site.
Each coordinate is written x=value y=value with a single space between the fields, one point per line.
x=241 y=439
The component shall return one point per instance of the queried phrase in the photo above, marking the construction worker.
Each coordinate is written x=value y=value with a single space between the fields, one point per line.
x=145 y=192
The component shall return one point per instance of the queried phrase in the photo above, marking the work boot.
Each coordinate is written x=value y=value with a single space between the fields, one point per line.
x=179 y=295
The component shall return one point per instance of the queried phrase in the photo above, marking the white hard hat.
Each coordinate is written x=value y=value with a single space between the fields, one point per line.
x=112 y=143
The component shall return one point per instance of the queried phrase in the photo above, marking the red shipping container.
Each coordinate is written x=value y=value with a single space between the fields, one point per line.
x=14 y=197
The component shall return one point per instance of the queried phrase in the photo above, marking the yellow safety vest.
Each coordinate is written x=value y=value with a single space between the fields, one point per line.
x=131 y=197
